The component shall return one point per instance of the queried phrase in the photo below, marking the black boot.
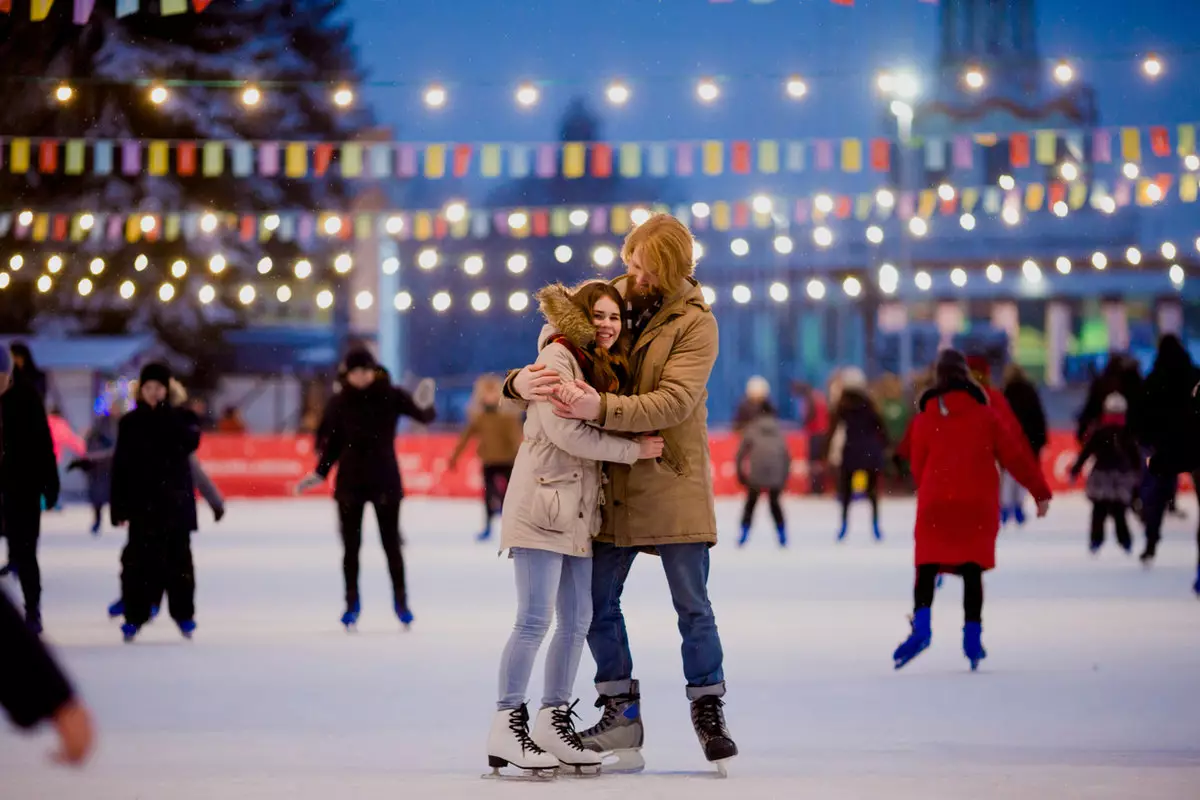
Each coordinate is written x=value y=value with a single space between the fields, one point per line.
x=709 y=721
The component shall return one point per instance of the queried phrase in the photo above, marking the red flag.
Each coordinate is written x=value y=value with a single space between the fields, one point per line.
x=249 y=227
x=741 y=158
x=322 y=158
x=843 y=207
x=949 y=206
x=1018 y=149
x=200 y=5
x=440 y=227
x=48 y=156
x=741 y=214
x=881 y=155
x=1058 y=193
x=602 y=160
x=185 y=158
x=462 y=160
x=541 y=223
x=5 y=6
x=1160 y=141
x=60 y=227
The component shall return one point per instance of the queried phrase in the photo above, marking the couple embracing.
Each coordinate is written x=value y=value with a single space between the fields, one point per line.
x=615 y=462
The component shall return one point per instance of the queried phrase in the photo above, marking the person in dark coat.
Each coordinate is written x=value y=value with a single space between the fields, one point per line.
x=857 y=444
x=100 y=439
x=763 y=465
x=956 y=439
x=1166 y=424
x=756 y=401
x=1026 y=405
x=358 y=434
x=1116 y=471
x=33 y=688
x=28 y=476
x=25 y=370
x=1122 y=376
x=153 y=491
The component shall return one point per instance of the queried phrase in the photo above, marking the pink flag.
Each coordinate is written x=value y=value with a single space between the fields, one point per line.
x=83 y=10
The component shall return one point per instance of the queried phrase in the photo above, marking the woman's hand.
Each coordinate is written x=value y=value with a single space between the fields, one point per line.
x=567 y=393
x=75 y=736
x=535 y=382
x=649 y=446
x=585 y=406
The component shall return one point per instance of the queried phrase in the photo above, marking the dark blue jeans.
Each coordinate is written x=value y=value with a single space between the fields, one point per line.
x=686 y=566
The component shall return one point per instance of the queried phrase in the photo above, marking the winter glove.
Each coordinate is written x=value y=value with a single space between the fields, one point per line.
x=218 y=513
x=424 y=394
x=308 y=482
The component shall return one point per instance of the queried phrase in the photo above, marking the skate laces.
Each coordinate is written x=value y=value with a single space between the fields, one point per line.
x=518 y=723
x=707 y=716
x=560 y=718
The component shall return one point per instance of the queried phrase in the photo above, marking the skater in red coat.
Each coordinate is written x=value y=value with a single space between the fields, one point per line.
x=957 y=439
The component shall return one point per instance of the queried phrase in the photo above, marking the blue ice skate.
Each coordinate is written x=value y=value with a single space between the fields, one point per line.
x=875 y=530
x=841 y=537
x=917 y=641
x=117 y=609
x=350 y=618
x=187 y=627
x=406 y=616
x=1018 y=514
x=745 y=536
x=128 y=631
x=973 y=645
x=1196 y=585
x=781 y=531
x=1004 y=515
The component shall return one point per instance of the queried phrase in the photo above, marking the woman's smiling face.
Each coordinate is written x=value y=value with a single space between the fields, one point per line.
x=606 y=316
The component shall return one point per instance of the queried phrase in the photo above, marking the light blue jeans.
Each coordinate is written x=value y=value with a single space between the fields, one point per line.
x=546 y=583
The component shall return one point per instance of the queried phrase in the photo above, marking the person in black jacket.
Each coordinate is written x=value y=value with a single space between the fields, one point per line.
x=358 y=433
x=1022 y=397
x=152 y=490
x=34 y=689
x=1115 y=472
x=856 y=444
x=25 y=370
x=28 y=474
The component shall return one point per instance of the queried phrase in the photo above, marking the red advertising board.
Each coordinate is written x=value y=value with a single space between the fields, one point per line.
x=269 y=466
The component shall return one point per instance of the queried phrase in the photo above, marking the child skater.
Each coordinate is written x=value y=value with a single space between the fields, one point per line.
x=551 y=513
x=153 y=491
x=1116 y=472
x=957 y=440
x=763 y=465
x=499 y=433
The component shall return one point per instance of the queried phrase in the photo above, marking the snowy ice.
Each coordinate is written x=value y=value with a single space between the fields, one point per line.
x=1091 y=688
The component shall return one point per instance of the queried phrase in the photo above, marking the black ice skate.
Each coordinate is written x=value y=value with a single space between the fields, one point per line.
x=709 y=721
x=619 y=733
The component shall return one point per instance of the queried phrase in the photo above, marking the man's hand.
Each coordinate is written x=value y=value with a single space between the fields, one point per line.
x=75 y=735
x=586 y=407
x=568 y=393
x=535 y=383
x=1043 y=506
x=308 y=482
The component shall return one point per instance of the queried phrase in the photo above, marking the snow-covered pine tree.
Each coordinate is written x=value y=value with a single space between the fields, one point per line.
x=295 y=51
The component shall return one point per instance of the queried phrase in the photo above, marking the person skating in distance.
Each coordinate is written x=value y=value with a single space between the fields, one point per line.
x=551 y=513
x=358 y=434
x=664 y=506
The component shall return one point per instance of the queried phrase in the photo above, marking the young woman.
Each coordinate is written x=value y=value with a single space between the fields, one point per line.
x=551 y=512
x=956 y=440
x=857 y=444
x=499 y=434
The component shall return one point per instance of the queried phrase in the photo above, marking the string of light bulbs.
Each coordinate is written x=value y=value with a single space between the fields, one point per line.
x=707 y=89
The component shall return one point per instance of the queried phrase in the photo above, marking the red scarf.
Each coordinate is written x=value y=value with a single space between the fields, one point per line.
x=587 y=363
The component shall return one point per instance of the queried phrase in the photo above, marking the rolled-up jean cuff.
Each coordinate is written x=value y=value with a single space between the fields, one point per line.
x=715 y=690
x=613 y=688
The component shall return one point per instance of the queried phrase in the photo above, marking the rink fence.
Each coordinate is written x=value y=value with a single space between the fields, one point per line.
x=270 y=465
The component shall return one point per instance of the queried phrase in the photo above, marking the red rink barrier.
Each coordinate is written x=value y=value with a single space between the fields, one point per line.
x=269 y=466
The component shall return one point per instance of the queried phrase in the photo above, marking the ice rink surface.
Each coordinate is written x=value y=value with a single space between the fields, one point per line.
x=1091 y=688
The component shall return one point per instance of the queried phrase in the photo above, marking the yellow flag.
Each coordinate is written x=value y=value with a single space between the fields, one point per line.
x=618 y=220
x=435 y=161
x=573 y=158
x=1187 y=140
x=171 y=227
x=1142 y=191
x=213 y=159
x=1187 y=187
x=74 y=157
x=768 y=157
x=714 y=158
x=295 y=160
x=1035 y=195
x=1045 y=145
x=1131 y=144
x=158 y=158
x=39 y=9
x=460 y=229
x=352 y=160
x=851 y=155
x=422 y=225
x=631 y=160
x=862 y=206
x=19 y=155
x=363 y=226
x=926 y=202
x=133 y=230
x=1077 y=195
x=722 y=216
x=41 y=227
x=560 y=222
x=489 y=161
x=970 y=196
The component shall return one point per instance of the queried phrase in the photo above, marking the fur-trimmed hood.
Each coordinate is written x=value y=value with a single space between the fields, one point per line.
x=564 y=317
x=939 y=391
x=176 y=394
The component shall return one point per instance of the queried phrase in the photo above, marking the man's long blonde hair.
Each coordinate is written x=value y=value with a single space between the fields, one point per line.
x=664 y=247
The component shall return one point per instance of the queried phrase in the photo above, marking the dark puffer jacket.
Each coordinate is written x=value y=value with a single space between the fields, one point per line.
x=865 y=440
x=152 y=472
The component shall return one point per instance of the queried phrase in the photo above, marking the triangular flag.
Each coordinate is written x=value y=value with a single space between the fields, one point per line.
x=39 y=9
x=126 y=7
x=200 y=5
x=170 y=7
x=83 y=10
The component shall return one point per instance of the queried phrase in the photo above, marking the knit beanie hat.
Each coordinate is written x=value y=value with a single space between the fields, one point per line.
x=156 y=371
x=360 y=358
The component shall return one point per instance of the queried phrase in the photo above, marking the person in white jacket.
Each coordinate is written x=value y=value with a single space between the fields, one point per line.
x=551 y=512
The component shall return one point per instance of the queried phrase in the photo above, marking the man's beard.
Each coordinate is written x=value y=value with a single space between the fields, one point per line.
x=643 y=297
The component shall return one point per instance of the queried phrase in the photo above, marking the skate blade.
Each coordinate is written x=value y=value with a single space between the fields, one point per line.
x=526 y=776
x=624 y=762
x=722 y=767
x=580 y=771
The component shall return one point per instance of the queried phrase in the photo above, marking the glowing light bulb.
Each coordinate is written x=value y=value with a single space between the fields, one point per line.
x=264 y=265
x=739 y=247
x=1130 y=170
x=1175 y=273
x=823 y=203
x=159 y=95
x=141 y=262
x=518 y=220
x=473 y=264
x=967 y=221
x=84 y=287
x=822 y=236
x=783 y=245
x=707 y=90
x=217 y=264
x=518 y=301
x=602 y=256
x=435 y=96
x=778 y=292
x=343 y=263
x=208 y=222
x=87 y=222
x=958 y=276
x=946 y=192
x=441 y=302
x=390 y=266
x=64 y=93
x=918 y=227
x=54 y=263
x=1133 y=256
x=1152 y=66
x=343 y=96
x=527 y=95
x=179 y=269
x=852 y=286
x=517 y=263
x=251 y=96
x=456 y=211
x=324 y=299
x=700 y=210
x=44 y=284
x=974 y=78
x=364 y=300
x=147 y=223
x=1011 y=216
x=741 y=294
x=617 y=93
x=884 y=198
x=394 y=224
x=25 y=218
x=271 y=222
x=762 y=204
x=166 y=292
x=1031 y=271
x=563 y=253
x=303 y=269
x=709 y=295
x=815 y=289
x=697 y=251
x=427 y=259
x=127 y=289
x=97 y=266
x=333 y=225
x=1099 y=260
x=1068 y=171
x=283 y=294
x=1006 y=182
x=481 y=301
x=403 y=301
x=16 y=262
x=875 y=234
x=1063 y=265
x=246 y=295
x=1063 y=73
x=994 y=273
x=795 y=87
x=578 y=217
x=1061 y=209
x=923 y=280
x=1168 y=251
